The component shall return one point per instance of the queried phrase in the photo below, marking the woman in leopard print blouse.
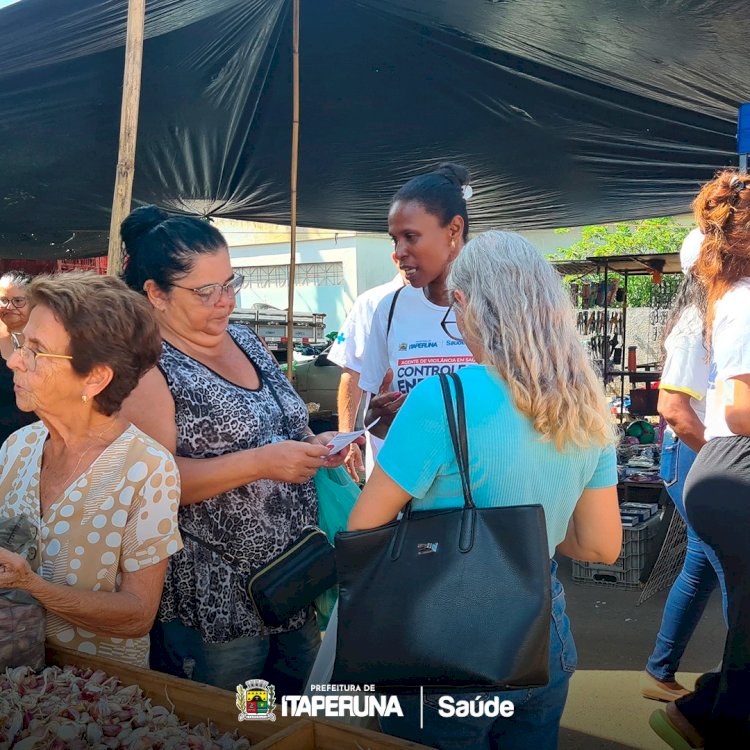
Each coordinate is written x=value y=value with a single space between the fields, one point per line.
x=246 y=467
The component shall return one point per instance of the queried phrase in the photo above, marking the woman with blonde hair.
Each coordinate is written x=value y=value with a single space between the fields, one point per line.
x=718 y=485
x=539 y=432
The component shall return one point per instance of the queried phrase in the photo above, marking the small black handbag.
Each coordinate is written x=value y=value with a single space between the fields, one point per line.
x=301 y=573
x=291 y=580
x=456 y=599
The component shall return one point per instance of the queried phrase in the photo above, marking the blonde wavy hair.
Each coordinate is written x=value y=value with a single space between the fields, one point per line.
x=517 y=309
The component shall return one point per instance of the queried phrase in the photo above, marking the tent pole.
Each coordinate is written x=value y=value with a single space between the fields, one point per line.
x=131 y=93
x=293 y=227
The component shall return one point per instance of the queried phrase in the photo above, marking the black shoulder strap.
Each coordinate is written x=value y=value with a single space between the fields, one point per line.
x=267 y=379
x=458 y=434
x=392 y=310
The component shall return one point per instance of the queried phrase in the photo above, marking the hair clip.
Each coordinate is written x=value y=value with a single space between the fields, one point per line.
x=737 y=184
x=467 y=191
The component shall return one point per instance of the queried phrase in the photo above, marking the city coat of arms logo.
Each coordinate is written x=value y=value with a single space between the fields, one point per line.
x=256 y=700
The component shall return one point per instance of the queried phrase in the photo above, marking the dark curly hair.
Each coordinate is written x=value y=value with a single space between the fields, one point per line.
x=440 y=193
x=163 y=247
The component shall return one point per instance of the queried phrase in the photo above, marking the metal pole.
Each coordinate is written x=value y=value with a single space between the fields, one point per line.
x=131 y=94
x=295 y=156
x=624 y=347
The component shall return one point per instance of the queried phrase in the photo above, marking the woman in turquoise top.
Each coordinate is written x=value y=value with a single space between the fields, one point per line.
x=539 y=432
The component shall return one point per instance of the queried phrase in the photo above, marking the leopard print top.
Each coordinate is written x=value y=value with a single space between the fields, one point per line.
x=254 y=522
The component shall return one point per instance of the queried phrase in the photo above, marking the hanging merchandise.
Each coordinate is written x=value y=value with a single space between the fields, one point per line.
x=661 y=299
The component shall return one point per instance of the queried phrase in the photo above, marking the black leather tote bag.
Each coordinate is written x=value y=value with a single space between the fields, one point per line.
x=456 y=599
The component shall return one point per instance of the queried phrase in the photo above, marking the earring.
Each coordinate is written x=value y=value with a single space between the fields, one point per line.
x=453 y=243
x=85 y=398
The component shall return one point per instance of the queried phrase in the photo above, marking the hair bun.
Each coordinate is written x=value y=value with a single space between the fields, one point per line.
x=139 y=223
x=455 y=173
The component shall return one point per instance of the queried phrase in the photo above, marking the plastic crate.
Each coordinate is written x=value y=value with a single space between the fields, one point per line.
x=625 y=572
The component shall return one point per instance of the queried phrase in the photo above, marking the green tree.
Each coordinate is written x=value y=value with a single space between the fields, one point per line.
x=660 y=235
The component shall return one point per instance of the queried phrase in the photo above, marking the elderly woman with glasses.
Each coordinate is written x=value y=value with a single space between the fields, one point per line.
x=103 y=495
x=14 y=313
x=246 y=456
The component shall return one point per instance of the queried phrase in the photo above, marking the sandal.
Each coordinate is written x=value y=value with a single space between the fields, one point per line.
x=675 y=729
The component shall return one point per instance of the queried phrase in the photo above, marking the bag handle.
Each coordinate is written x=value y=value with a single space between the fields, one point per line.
x=458 y=434
x=461 y=448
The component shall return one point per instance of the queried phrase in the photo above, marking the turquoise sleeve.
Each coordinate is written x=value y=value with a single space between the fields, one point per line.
x=415 y=450
x=605 y=474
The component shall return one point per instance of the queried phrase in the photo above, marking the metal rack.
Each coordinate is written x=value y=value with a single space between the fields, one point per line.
x=625 y=266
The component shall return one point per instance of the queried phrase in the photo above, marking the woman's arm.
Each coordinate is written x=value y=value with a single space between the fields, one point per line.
x=150 y=407
x=595 y=529
x=675 y=407
x=380 y=502
x=127 y=613
x=737 y=404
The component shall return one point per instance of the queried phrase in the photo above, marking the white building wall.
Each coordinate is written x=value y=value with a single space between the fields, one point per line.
x=365 y=258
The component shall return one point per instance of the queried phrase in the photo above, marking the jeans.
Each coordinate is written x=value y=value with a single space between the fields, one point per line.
x=693 y=587
x=535 y=724
x=284 y=659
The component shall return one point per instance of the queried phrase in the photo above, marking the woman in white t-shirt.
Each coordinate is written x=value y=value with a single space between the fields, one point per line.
x=717 y=490
x=414 y=333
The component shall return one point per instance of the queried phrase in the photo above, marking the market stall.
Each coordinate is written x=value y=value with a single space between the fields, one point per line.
x=599 y=287
x=118 y=705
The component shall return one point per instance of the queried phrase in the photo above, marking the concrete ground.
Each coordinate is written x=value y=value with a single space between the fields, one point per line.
x=614 y=637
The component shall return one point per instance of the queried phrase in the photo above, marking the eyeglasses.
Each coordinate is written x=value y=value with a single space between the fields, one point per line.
x=449 y=324
x=17 y=302
x=29 y=356
x=210 y=294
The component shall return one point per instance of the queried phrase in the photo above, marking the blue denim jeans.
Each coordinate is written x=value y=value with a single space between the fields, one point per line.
x=691 y=590
x=284 y=659
x=535 y=724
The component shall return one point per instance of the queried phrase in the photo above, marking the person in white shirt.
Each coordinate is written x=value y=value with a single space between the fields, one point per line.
x=717 y=490
x=414 y=333
x=348 y=353
x=682 y=394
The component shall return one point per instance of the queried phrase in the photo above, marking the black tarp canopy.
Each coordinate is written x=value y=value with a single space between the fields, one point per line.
x=567 y=112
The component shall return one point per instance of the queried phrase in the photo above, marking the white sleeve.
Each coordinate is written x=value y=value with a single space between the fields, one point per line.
x=349 y=346
x=376 y=362
x=686 y=367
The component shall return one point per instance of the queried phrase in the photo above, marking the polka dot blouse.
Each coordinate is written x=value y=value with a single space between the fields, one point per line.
x=120 y=515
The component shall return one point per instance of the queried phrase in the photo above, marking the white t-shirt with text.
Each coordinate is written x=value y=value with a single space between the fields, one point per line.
x=415 y=348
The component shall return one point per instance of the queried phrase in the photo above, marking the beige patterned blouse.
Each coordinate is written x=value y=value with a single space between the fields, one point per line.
x=119 y=515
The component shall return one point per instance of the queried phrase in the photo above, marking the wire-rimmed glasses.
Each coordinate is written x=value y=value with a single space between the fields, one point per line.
x=449 y=324
x=29 y=356
x=210 y=294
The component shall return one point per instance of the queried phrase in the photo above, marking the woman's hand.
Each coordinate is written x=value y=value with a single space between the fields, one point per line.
x=292 y=461
x=15 y=571
x=354 y=464
x=334 y=460
x=384 y=406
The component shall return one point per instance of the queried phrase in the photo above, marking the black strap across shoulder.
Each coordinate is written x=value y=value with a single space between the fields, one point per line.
x=227 y=557
x=392 y=310
x=457 y=428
